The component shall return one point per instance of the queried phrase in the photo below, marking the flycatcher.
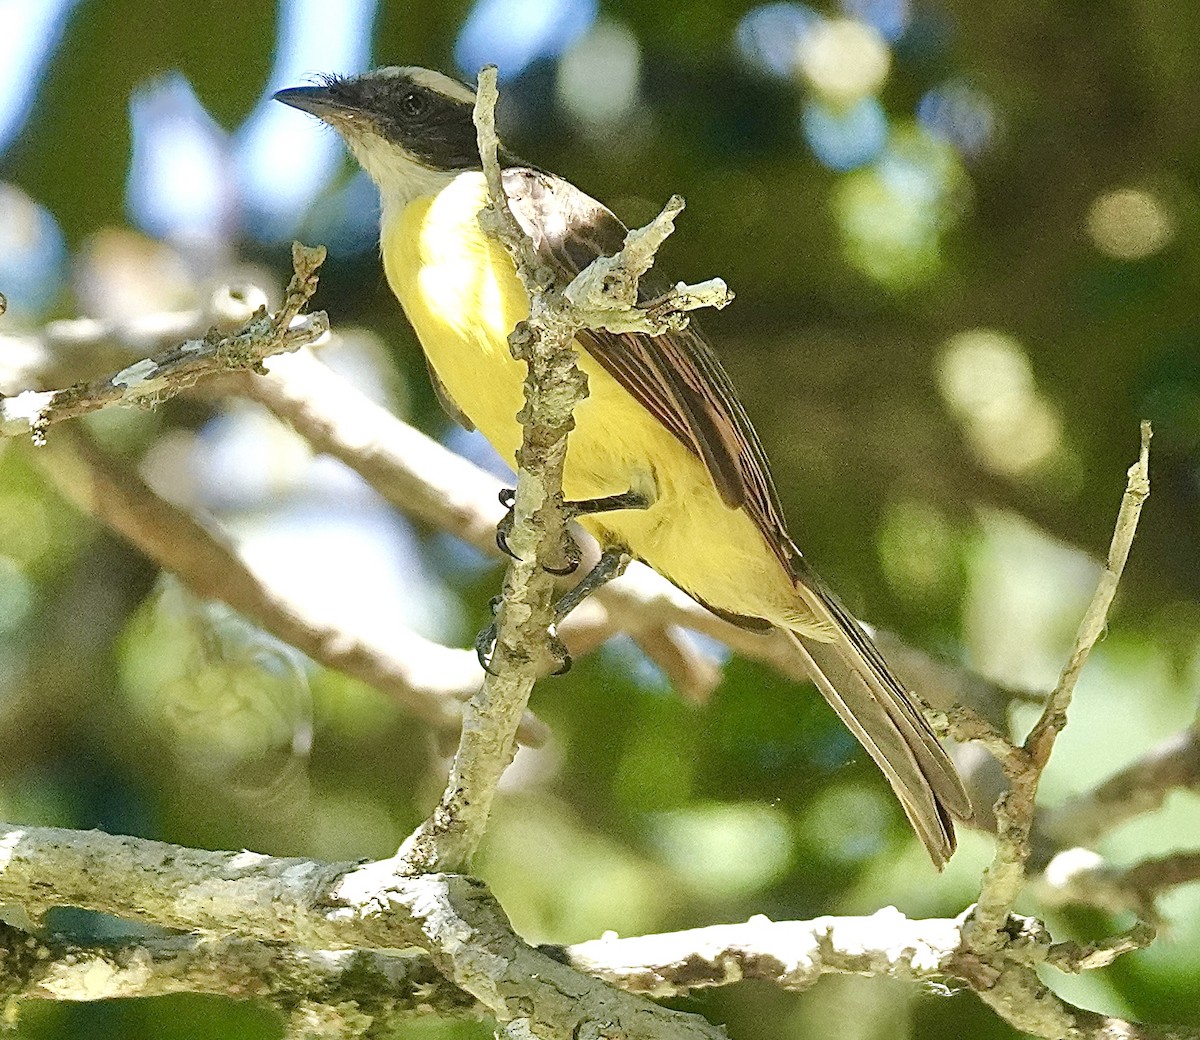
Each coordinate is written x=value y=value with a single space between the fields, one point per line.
x=663 y=464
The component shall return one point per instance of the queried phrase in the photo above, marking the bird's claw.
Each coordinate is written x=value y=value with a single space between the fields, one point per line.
x=559 y=653
x=485 y=646
x=508 y=499
x=571 y=551
x=572 y=554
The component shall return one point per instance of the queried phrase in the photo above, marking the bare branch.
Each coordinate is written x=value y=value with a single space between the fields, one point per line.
x=60 y=349
x=332 y=906
x=430 y=680
x=1015 y=810
x=1040 y=741
x=1139 y=788
x=164 y=375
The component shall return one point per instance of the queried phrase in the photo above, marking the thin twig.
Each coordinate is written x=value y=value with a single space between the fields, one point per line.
x=1040 y=741
x=164 y=375
x=1015 y=810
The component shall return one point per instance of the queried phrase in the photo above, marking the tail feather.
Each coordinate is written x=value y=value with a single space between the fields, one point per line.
x=885 y=718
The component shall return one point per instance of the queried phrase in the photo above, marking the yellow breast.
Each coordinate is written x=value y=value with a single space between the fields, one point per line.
x=461 y=293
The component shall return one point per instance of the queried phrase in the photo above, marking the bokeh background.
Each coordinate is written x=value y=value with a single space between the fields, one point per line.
x=964 y=241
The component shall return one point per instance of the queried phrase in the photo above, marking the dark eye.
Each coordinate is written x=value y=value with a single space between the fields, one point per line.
x=412 y=104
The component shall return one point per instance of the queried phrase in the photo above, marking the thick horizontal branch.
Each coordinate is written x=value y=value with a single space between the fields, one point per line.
x=387 y=987
x=795 y=954
x=244 y=899
x=790 y=954
x=334 y=906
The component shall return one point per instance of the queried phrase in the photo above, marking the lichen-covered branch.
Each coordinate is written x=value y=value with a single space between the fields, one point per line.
x=1016 y=809
x=329 y=906
x=57 y=350
x=154 y=379
x=312 y=914
x=554 y=385
x=795 y=954
x=386 y=988
x=790 y=954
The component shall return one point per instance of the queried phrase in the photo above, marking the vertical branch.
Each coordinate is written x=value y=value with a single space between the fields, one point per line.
x=553 y=386
x=1040 y=741
x=1024 y=765
x=603 y=295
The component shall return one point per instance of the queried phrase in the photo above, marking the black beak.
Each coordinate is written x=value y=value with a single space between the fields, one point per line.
x=316 y=101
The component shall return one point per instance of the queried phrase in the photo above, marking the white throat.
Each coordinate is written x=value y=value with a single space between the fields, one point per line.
x=399 y=177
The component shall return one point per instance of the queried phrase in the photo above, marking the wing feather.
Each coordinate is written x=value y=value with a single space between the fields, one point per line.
x=678 y=379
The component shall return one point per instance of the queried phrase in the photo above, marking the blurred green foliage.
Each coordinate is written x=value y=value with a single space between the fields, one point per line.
x=949 y=392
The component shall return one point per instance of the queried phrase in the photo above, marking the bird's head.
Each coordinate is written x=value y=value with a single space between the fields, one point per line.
x=411 y=129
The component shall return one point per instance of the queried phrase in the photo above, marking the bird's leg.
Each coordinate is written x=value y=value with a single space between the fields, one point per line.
x=609 y=503
x=611 y=565
x=586 y=507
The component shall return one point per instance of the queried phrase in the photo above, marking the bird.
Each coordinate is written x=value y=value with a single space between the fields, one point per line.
x=663 y=464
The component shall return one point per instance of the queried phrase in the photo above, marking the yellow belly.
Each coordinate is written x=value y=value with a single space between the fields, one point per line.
x=462 y=296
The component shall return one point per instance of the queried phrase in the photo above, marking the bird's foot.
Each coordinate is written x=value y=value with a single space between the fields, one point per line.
x=485 y=648
x=568 y=563
x=564 y=564
x=485 y=642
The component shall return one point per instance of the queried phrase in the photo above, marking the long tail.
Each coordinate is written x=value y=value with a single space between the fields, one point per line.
x=882 y=714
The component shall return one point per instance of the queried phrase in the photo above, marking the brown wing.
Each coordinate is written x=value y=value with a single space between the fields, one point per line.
x=676 y=376
x=679 y=380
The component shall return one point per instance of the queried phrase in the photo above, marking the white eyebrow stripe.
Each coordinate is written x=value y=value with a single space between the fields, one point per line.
x=431 y=80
